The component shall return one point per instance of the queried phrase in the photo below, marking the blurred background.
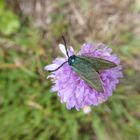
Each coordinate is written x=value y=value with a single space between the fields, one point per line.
x=30 y=31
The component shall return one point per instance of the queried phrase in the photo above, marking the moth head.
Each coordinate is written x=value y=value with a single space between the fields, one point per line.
x=71 y=59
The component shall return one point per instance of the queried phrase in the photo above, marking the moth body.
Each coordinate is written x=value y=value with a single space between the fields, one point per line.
x=88 y=69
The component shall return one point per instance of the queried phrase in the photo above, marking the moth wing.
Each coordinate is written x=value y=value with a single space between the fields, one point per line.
x=99 y=63
x=88 y=74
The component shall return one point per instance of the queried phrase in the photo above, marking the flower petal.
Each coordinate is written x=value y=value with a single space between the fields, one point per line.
x=50 y=67
x=87 y=109
x=63 y=50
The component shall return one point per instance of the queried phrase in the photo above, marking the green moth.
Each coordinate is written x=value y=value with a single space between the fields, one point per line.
x=88 y=68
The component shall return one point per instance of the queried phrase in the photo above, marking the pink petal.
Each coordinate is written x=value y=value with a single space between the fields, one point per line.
x=50 y=67
x=63 y=50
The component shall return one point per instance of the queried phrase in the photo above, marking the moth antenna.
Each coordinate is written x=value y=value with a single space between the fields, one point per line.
x=58 y=67
x=65 y=44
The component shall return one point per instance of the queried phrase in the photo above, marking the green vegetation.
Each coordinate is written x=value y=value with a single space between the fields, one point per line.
x=28 y=111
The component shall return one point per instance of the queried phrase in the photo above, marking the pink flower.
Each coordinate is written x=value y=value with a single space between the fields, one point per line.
x=72 y=90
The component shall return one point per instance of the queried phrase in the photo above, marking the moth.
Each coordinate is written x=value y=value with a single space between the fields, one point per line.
x=88 y=68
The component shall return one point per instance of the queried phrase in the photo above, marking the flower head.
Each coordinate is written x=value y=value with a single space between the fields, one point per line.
x=74 y=91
